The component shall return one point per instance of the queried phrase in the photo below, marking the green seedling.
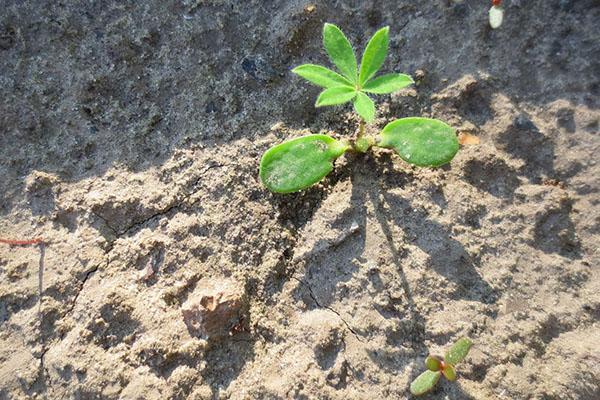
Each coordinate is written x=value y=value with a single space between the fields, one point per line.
x=437 y=366
x=299 y=163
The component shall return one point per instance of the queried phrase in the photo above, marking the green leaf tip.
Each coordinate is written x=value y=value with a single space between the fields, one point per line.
x=388 y=83
x=299 y=163
x=424 y=382
x=340 y=51
x=458 y=351
x=364 y=106
x=374 y=55
x=321 y=76
x=335 y=95
x=424 y=142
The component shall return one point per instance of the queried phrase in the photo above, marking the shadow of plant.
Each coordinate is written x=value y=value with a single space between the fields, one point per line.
x=447 y=255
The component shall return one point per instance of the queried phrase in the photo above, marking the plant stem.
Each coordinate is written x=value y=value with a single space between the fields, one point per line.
x=362 y=142
x=361 y=129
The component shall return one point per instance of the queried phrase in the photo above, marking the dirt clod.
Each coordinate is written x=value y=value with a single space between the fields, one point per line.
x=213 y=308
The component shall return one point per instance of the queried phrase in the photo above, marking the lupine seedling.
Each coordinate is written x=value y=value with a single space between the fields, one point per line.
x=437 y=366
x=301 y=162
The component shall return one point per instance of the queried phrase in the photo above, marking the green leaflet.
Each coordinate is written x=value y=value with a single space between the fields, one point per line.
x=335 y=95
x=458 y=351
x=424 y=382
x=449 y=372
x=388 y=83
x=299 y=163
x=433 y=363
x=364 y=106
x=340 y=51
x=321 y=76
x=420 y=141
x=374 y=55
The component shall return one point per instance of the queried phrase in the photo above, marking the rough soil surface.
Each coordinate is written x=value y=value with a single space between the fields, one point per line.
x=130 y=137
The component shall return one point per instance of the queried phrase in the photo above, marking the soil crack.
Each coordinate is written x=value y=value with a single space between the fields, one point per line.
x=132 y=227
x=118 y=234
x=45 y=374
x=108 y=225
x=314 y=298
x=84 y=280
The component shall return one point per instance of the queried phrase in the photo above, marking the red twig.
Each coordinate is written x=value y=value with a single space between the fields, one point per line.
x=22 y=242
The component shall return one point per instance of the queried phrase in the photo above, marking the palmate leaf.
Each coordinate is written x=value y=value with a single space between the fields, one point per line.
x=335 y=95
x=321 y=76
x=364 y=106
x=458 y=351
x=340 y=51
x=424 y=382
x=374 y=55
x=420 y=141
x=299 y=163
x=342 y=88
x=388 y=83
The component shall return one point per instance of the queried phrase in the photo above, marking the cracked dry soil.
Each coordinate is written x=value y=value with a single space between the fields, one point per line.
x=130 y=136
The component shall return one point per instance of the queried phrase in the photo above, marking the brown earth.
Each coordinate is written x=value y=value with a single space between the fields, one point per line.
x=130 y=136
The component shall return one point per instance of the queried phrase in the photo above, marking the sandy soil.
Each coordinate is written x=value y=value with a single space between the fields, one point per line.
x=130 y=136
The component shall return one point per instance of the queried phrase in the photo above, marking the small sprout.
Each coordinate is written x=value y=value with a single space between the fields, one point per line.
x=437 y=367
x=299 y=163
x=496 y=14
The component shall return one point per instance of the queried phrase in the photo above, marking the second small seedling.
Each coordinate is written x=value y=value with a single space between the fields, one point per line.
x=437 y=366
